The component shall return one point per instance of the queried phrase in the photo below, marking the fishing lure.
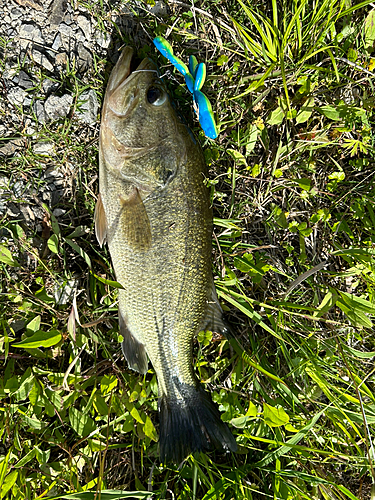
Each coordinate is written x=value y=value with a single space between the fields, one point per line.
x=195 y=75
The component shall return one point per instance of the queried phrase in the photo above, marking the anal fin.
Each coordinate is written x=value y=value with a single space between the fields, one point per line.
x=134 y=351
x=100 y=221
x=213 y=319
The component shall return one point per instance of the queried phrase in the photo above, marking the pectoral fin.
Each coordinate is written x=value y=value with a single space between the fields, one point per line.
x=134 y=351
x=135 y=222
x=100 y=221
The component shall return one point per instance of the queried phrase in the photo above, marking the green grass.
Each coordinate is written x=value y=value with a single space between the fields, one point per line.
x=292 y=185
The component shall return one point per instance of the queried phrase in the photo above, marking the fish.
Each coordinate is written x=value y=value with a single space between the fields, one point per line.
x=153 y=210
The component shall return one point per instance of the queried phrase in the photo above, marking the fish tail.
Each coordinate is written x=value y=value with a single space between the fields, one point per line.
x=191 y=423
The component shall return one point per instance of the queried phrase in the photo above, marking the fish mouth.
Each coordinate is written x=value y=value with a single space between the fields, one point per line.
x=126 y=68
x=122 y=97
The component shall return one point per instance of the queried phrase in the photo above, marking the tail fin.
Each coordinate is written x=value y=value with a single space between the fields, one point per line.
x=191 y=423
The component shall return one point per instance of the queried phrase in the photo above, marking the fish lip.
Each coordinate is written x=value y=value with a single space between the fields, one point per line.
x=123 y=72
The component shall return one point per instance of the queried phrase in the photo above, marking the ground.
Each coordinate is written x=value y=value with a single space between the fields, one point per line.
x=292 y=187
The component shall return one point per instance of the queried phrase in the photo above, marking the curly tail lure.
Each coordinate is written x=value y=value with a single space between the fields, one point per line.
x=195 y=75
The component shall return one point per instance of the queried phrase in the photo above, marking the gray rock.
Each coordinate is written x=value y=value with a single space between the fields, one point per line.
x=65 y=30
x=13 y=210
x=16 y=96
x=52 y=172
x=16 y=13
x=58 y=212
x=68 y=19
x=79 y=36
x=30 y=33
x=84 y=57
x=18 y=188
x=27 y=101
x=57 y=12
x=10 y=73
x=23 y=80
x=39 y=111
x=85 y=26
x=102 y=39
x=10 y=147
x=159 y=9
x=11 y=32
x=88 y=111
x=49 y=86
x=27 y=213
x=57 y=42
x=42 y=60
x=58 y=107
x=44 y=148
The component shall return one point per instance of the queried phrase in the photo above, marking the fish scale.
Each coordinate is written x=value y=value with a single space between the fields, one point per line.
x=154 y=211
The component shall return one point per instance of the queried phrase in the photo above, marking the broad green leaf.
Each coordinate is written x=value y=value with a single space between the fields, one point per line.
x=34 y=423
x=78 y=231
x=26 y=459
x=108 y=383
x=80 y=251
x=285 y=448
x=304 y=183
x=330 y=112
x=34 y=325
x=135 y=414
x=290 y=428
x=6 y=257
x=42 y=456
x=40 y=339
x=276 y=116
x=114 y=284
x=26 y=384
x=150 y=430
x=100 y=405
x=237 y=156
x=42 y=295
x=369 y=31
x=274 y=417
x=53 y=243
x=356 y=309
x=359 y=303
x=306 y=111
x=81 y=423
x=327 y=302
x=8 y=482
x=279 y=216
x=133 y=396
x=34 y=394
x=252 y=139
x=252 y=411
x=240 y=422
x=96 y=445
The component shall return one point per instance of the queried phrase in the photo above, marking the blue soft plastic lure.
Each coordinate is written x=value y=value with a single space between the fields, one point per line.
x=195 y=75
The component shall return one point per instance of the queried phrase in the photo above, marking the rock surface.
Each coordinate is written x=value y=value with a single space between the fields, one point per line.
x=49 y=86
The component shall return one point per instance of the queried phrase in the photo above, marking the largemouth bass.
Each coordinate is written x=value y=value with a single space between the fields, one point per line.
x=153 y=210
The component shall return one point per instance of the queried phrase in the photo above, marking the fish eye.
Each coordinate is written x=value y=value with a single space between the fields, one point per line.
x=156 y=96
